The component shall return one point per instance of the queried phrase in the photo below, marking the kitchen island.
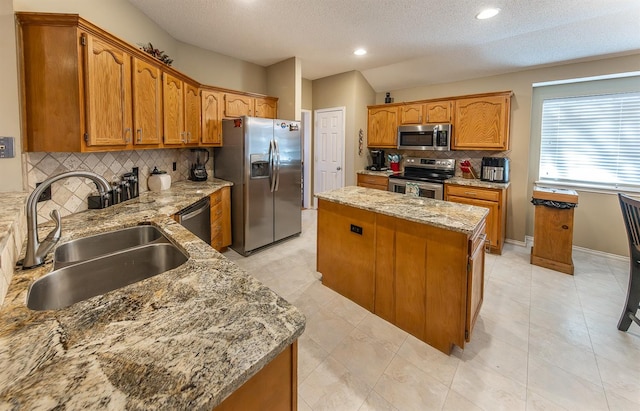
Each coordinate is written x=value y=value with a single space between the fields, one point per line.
x=416 y=262
x=184 y=339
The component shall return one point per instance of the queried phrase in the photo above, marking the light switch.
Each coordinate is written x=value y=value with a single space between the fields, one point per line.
x=6 y=147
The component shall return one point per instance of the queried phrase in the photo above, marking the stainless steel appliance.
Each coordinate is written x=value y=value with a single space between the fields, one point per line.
x=427 y=175
x=495 y=169
x=262 y=159
x=425 y=137
x=197 y=219
x=197 y=170
x=377 y=160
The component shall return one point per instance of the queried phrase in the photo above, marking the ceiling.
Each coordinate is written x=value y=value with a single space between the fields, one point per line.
x=410 y=42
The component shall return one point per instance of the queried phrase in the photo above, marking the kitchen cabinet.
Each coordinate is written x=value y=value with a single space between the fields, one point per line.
x=438 y=112
x=147 y=103
x=221 y=219
x=382 y=127
x=274 y=387
x=212 y=108
x=181 y=105
x=266 y=107
x=373 y=181
x=426 y=280
x=411 y=113
x=493 y=199
x=236 y=105
x=482 y=123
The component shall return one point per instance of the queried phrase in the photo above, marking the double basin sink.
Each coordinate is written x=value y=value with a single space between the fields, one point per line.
x=95 y=265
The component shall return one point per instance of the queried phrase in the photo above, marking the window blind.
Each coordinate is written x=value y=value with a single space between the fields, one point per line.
x=593 y=141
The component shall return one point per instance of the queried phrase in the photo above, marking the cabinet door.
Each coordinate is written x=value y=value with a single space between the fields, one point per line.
x=191 y=113
x=211 y=118
x=475 y=282
x=147 y=103
x=108 y=93
x=439 y=112
x=173 y=104
x=481 y=123
x=237 y=106
x=383 y=127
x=493 y=218
x=412 y=114
x=266 y=108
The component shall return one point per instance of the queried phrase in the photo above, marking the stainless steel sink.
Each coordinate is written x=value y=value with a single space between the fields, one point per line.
x=87 y=248
x=95 y=265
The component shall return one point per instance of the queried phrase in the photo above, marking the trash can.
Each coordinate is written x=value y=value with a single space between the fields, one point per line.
x=553 y=228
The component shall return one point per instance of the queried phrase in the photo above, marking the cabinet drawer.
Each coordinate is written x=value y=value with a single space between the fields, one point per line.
x=473 y=192
x=373 y=180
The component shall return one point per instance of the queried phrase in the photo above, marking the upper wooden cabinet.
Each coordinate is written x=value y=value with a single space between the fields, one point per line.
x=412 y=114
x=482 y=123
x=147 y=103
x=83 y=89
x=438 y=112
x=212 y=108
x=383 y=127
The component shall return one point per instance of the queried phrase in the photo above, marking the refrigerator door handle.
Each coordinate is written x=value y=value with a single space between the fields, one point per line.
x=272 y=165
x=277 y=163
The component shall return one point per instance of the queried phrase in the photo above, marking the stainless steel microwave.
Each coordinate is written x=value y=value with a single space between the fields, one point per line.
x=425 y=137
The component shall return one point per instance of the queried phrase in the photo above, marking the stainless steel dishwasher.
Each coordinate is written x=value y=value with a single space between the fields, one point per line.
x=197 y=219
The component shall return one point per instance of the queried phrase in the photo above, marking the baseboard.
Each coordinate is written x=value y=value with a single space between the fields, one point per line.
x=528 y=242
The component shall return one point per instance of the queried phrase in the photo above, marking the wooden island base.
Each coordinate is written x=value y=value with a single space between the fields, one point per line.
x=424 y=279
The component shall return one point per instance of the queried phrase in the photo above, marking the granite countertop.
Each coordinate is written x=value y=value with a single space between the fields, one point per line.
x=444 y=214
x=386 y=173
x=11 y=206
x=476 y=182
x=184 y=339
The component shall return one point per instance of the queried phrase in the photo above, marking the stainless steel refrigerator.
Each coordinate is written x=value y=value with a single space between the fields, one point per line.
x=262 y=159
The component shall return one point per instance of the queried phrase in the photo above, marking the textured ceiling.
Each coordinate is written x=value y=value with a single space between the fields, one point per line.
x=409 y=42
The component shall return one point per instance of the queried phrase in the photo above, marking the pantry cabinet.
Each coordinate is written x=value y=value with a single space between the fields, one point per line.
x=493 y=199
x=383 y=127
x=482 y=123
x=147 y=103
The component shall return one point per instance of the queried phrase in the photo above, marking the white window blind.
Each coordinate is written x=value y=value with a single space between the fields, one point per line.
x=592 y=141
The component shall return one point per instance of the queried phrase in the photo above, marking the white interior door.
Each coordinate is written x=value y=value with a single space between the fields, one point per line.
x=329 y=150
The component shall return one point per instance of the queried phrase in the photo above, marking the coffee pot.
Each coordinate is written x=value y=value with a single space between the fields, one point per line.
x=197 y=170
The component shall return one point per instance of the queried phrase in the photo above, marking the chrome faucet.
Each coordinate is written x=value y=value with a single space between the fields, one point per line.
x=36 y=250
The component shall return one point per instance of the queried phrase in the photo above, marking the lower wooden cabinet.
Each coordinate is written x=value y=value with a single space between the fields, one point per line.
x=373 y=181
x=424 y=279
x=275 y=387
x=221 y=219
x=493 y=199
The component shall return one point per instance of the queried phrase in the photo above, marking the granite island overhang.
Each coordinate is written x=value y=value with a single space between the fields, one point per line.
x=416 y=262
x=184 y=339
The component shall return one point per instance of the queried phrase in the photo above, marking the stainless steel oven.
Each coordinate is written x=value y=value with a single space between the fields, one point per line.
x=423 y=177
x=424 y=189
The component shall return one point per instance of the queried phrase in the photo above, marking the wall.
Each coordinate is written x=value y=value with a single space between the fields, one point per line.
x=598 y=224
x=352 y=91
x=307 y=94
x=284 y=80
x=10 y=168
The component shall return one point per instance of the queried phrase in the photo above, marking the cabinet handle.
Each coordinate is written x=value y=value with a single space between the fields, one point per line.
x=471 y=193
x=127 y=131
x=139 y=135
x=182 y=137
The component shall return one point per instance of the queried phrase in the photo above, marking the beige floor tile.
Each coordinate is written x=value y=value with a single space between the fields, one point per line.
x=363 y=356
x=537 y=402
x=619 y=403
x=438 y=365
x=456 y=402
x=617 y=346
x=387 y=334
x=327 y=328
x=564 y=388
x=375 y=402
x=302 y=405
x=620 y=379
x=568 y=325
x=511 y=331
x=310 y=355
x=332 y=387
x=487 y=389
x=406 y=387
x=348 y=310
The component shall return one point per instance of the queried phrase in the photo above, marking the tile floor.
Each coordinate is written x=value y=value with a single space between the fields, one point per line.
x=544 y=340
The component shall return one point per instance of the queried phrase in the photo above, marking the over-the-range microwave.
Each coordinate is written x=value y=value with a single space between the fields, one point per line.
x=425 y=137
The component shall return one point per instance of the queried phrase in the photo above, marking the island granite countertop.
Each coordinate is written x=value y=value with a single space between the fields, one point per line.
x=444 y=214
x=184 y=339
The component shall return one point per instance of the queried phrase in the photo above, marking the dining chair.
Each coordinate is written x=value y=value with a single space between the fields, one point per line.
x=631 y=215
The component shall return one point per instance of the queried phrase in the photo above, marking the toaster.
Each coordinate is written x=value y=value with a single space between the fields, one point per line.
x=495 y=169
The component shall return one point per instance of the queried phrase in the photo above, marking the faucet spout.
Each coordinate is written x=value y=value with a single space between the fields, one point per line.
x=36 y=250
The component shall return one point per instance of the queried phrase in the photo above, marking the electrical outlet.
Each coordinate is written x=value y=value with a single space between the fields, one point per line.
x=6 y=147
x=46 y=194
x=175 y=166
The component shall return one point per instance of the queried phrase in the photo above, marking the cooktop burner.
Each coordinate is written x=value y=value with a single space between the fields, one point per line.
x=427 y=169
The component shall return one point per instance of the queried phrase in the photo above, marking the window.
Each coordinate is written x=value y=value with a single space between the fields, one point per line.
x=591 y=141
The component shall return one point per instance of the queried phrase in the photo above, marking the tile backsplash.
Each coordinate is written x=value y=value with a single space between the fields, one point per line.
x=70 y=195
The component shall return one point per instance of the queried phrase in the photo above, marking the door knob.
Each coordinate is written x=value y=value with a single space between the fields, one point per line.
x=338 y=168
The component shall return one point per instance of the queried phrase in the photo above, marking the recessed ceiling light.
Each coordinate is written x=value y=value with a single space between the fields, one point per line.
x=360 y=52
x=487 y=14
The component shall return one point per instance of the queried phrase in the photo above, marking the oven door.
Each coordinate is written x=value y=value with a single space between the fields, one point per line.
x=426 y=190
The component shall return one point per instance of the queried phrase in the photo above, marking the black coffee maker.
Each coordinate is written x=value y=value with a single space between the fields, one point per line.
x=377 y=161
x=197 y=170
